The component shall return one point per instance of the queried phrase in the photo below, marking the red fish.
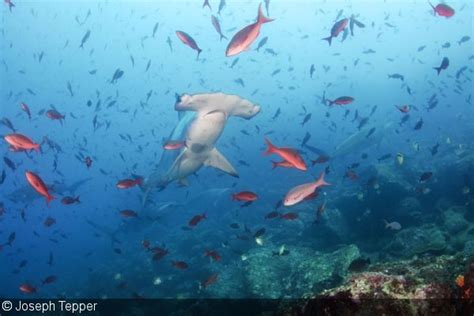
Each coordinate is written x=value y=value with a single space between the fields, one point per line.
x=25 y=108
x=288 y=154
x=68 y=200
x=245 y=37
x=271 y=215
x=188 y=40
x=128 y=213
x=179 y=265
x=283 y=164
x=403 y=108
x=159 y=253
x=88 y=162
x=21 y=142
x=27 y=288
x=351 y=175
x=196 y=219
x=128 y=183
x=55 y=115
x=300 y=192
x=10 y=4
x=337 y=28
x=173 y=145
x=342 y=101
x=38 y=184
x=146 y=244
x=213 y=254
x=210 y=280
x=244 y=196
x=443 y=10
x=289 y=216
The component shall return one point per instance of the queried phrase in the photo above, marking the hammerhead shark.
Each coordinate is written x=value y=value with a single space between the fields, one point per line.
x=200 y=131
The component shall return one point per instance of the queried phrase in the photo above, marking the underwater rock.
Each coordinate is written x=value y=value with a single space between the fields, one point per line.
x=300 y=273
x=454 y=221
x=417 y=240
x=421 y=286
x=469 y=248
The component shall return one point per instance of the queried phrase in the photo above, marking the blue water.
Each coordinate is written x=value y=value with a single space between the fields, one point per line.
x=87 y=261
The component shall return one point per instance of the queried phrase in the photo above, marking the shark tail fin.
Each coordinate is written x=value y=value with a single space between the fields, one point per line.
x=218 y=161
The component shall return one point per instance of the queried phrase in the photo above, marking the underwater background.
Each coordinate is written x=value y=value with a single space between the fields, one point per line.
x=400 y=205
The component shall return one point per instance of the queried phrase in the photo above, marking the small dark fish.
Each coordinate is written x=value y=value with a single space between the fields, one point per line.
x=117 y=75
x=311 y=71
x=359 y=265
x=3 y=176
x=306 y=138
x=397 y=76
x=371 y=131
x=262 y=43
x=421 y=48
x=155 y=28
x=434 y=149
x=234 y=226
x=464 y=39
x=221 y=6
x=444 y=65
x=259 y=233
x=85 y=38
x=277 y=113
x=234 y=62
x=9 y=163
x=419 y=124
x=168 y=41
x=306 y=119
x=217 y=26
x=425 y=176
x=384 y=157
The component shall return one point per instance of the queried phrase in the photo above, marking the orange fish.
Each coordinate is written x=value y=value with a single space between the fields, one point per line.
x=21 y=142
x=403 y=108
x=210 y=280
x=283 y=164
x=38 y=184
x=128 y=213
x=196 y=219
x=68 y=200
x=128 y=183
x=212 y=254
x=289 y=216
x=244 y=196
x=55 y=115
x=173 y=145
x=300 y=192
x=188 y=40
x=288 y=154
x=27 y=288
x=245 y=37
x=25 y=108
x=179 y=265
x=460 y=281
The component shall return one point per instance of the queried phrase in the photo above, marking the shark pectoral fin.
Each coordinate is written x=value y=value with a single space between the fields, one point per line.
x=218 y=161
x=183 y=182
